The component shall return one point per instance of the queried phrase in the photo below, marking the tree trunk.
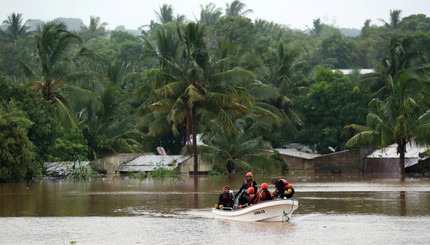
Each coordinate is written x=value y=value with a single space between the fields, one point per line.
x=194 y=132
x=401 y=149
x=229 y=166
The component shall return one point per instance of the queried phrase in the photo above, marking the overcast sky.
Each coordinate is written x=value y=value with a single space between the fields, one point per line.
x=293 y=13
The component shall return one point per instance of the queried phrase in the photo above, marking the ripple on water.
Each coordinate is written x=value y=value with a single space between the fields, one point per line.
x=197 y=228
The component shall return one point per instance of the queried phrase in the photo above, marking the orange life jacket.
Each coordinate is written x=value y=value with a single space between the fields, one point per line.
x=261 y=195
x=227 y=196
x=249 y=184
x=286 y=184
x=251 y=196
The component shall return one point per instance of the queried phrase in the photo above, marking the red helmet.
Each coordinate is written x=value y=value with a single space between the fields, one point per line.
x=264 y=186
x=249 y=174
x=226 y=188
x=250 y=190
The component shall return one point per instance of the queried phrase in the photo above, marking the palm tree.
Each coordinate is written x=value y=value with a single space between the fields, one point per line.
x=209 y=14
x=53 y=42
x=15 y=28
x=402 y=56
x=240 y=150
x=286 y=72
x=95 y=29
x=180 y=19
x=109 y=125
x=152 y=26
x=236 y=8
x=394 y=121
x=394 y=19
x=165 y=14
x=188 y=90
x=399 y=114
x=317 y=28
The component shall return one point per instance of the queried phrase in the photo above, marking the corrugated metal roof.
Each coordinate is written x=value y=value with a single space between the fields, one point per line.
x=296 y=153
x=61 y=167
x=412 y=155
x=146 y=163
x=412 y=151
x=361 y=71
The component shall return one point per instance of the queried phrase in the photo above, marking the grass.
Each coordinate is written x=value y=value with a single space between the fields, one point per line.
x=136 y=175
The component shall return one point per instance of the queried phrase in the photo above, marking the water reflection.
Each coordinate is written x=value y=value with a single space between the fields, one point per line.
x=114 y=196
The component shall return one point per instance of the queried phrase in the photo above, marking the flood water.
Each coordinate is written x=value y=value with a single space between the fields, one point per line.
x=334 y=209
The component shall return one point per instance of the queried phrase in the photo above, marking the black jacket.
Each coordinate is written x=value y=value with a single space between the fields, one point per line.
x=243 y=199
x=280 y=187
x=226 y=199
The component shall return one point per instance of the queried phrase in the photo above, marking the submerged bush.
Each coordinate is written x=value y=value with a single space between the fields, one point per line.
x=215 y=173
x=83 y=172
x=161 y=172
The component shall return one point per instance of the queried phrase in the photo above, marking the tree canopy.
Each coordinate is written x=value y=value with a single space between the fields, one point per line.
x=243 y=85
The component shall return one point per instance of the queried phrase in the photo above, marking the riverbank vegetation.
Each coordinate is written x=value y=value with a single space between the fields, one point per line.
x=245 y=86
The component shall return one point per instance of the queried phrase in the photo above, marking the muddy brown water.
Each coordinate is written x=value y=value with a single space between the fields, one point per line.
x=336 y=209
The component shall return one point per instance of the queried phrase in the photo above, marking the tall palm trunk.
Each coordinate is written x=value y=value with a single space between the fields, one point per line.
x=401 y=149
x=191 y=130
x=194 y=132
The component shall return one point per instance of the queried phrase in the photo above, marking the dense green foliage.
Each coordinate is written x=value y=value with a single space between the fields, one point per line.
x=332 y=102
x=244 y=86
x=400 y=113
x=16 y=150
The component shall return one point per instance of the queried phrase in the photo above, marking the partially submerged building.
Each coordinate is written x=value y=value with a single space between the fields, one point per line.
x=144 y=163
x=62 y=168
x=368 y=160
x=386 y=160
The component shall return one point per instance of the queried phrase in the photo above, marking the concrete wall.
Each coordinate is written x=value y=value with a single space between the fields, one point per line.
x=300 y=164
x=349 y=161
x=188 y=166
x=111 y=163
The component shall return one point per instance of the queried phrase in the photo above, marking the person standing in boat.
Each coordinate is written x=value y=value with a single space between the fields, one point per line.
x=283 y=188
x=226 y=198
x=249 y=182
x=262 y=195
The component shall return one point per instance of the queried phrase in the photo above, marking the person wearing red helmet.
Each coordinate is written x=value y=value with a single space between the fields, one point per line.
x=251 y=195
x=262 y=195
x=249 y=182
x=226 y=198
x=283 y=188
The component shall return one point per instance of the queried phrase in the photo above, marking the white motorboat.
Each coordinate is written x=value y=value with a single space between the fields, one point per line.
x=268 y=211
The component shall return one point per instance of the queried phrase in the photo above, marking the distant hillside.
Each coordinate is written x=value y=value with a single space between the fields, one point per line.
x=350 y=32
x=34 y=23
x=73 y=24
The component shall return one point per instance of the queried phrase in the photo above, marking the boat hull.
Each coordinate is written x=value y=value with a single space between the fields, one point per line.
x=269 y=211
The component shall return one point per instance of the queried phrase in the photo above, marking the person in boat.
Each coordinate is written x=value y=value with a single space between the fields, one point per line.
x=251 y=196
x=283 y=188
x=244 y=198
x=226 y=198
x=249 y=182
x=262 y=195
